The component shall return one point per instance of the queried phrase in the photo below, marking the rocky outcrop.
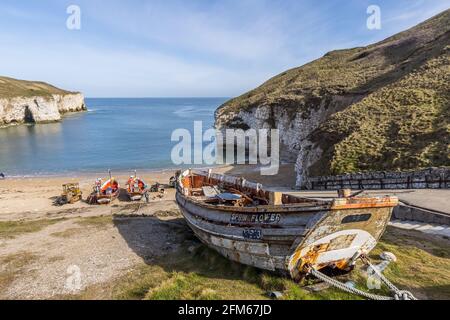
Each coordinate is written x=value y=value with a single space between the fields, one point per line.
x=39 y=109
x=385 y=107
x=295 y=125
x=24 y=101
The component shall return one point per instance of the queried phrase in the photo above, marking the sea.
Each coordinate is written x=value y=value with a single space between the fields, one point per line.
x=121 y=135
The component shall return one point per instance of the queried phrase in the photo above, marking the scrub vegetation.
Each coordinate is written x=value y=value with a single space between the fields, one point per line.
x=11 y=229
x=20 y=88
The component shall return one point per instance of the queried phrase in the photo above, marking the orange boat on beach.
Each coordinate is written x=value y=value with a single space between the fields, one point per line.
x=104 y=193
x=136 y=188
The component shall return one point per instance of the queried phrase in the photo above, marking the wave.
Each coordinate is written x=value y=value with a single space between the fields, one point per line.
x=188 y=112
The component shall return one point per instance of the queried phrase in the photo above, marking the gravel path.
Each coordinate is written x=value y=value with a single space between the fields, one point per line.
x=87 y=249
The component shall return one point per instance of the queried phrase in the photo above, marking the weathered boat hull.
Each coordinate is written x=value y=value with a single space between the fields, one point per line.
x=289 y=238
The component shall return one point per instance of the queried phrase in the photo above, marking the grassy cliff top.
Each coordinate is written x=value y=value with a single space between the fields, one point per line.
x=356 y=70
x=10 y=88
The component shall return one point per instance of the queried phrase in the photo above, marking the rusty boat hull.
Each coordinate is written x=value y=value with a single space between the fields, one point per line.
x=288 y=237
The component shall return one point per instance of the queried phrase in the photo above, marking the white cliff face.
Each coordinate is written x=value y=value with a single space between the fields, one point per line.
x=295 y=125
x=294 y=132
x=70 y=103
x=39 y=109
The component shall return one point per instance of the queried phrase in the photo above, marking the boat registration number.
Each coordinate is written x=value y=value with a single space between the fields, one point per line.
x=253 y=234
x=265 y=218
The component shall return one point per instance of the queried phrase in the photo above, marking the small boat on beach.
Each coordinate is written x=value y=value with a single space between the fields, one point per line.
x=136 y=188
x=104 y=193
x=277 y=231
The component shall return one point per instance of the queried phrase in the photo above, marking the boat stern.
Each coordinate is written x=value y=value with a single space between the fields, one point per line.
x=350 y=229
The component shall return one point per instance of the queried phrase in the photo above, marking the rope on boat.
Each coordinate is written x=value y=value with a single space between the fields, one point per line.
x=397 y=293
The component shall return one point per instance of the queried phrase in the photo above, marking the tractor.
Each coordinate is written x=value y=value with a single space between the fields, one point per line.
x=71 y=194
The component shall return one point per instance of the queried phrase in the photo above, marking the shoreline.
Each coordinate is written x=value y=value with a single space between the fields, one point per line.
x=33 y=196
x=252 y=170
x=97 y=174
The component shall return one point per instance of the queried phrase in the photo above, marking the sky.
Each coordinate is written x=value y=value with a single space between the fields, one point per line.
x=186 y=48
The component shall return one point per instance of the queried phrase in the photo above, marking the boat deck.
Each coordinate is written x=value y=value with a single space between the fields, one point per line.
x=429 y=199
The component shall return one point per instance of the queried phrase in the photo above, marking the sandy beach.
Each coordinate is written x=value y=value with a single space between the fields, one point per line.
x=43 y=246
x=39 y=240
x=33 y=197
x=57 y=237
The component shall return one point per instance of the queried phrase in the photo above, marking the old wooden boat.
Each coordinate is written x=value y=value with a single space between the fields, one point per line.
x=136 y=188
x=280 y=232
x=104 y=193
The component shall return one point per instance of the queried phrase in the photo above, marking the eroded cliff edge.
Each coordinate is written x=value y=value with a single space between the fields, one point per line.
x=381 y=107
x=35 y=102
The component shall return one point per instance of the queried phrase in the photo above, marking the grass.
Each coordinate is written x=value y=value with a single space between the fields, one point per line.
x=181 y=276
x=20 y=88
x=402 y=126
x=12 y=266
x=68 y=233
x=12 y=229
x=100 y=222
x=422 y=267
x=423 y=263
x=208 y=276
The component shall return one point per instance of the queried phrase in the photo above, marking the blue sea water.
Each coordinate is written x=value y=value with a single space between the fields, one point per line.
x=117 y=134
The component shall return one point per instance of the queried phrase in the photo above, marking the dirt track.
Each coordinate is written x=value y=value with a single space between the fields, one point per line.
x=44 y=264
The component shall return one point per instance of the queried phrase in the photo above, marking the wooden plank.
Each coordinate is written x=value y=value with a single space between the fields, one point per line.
x=275 y=198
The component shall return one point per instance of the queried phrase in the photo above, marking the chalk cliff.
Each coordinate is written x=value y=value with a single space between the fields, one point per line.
x=381 y=107
x=35 y=102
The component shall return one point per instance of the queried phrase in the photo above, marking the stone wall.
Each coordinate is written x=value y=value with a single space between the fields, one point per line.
x=410 y=213
x=432 y=178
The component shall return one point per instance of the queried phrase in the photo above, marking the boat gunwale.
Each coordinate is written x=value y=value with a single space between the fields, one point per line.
x=307 y=206
x=285 y=208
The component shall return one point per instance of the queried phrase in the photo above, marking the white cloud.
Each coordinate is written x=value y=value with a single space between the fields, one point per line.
x=218 y=32
x=102 y=72
x=187 y=48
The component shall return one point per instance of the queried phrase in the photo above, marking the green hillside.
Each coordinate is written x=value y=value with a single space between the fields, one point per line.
x=20 y=88
x=394 y=109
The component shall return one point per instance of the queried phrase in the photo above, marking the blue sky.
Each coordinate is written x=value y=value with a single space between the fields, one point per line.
x=186 y=48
